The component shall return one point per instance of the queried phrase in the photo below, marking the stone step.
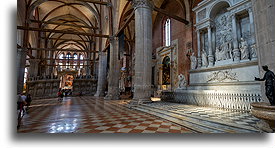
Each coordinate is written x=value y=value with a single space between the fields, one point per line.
x=231 y=124
x=194 y=123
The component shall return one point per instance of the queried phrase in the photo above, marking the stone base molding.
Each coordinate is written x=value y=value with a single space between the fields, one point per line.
x=236 y=101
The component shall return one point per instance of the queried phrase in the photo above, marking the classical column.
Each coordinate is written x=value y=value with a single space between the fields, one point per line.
x=199 y=48
x=102 y=74
x=210 y=54
x=143 y=51
x=252 y=27
x=236 y=50
x=114 y=73
x=253 y=48
x=88 y=67
x=21 y=62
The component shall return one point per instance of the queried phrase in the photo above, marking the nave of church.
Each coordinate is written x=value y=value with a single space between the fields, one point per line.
x=145 y=66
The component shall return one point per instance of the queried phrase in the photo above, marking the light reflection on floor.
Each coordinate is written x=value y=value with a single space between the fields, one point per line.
x=91 y=115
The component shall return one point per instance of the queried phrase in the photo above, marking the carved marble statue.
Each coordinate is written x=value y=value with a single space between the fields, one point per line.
x=253 y=51
x=269 y=79
x=204 y=58
x=225 y=51
x=244 y=49
x=182 y=82
x=194 y=62
x=217 y=54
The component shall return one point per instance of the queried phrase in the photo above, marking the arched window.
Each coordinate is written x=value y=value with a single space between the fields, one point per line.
x=75 y=56
x=61 y=56
x=81 y=57
x=25 y=75
x=81 y=62
x=68 y=56
x=167 y=32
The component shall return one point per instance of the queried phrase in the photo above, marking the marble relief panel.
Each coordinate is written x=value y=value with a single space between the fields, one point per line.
x=223 y=25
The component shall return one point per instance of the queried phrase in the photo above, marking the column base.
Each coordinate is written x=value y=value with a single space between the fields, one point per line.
x=111 y=97
x=99 y=94
x=211 y=61
x=113 y=94
x=237 y=55
x=199 y=62
x=136 y=102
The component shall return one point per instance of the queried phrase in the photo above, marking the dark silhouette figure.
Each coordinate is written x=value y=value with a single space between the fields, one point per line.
x=269 y=79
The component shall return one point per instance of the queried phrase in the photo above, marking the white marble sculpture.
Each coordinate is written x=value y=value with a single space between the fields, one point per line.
x=244 y=49
x=217 y=54
x=182 y=82
x=253 y=51
x=194 y=62
x=204 y=59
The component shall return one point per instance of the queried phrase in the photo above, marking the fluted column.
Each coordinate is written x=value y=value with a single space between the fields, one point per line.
x=114 y=73
x=102 y=74
x=236 y=50
x=199 y=48
x=143 y=51
x=210 y=54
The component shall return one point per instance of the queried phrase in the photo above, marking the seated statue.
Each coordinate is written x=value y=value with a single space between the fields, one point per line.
x=269 y=79
x=244 y=49
x=226 y=51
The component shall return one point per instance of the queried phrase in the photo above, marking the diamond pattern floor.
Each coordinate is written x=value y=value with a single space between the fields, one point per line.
x=91 y=115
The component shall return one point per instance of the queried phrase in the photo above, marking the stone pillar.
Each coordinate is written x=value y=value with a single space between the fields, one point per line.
x=114 y=73
x=143 y=51
x=102 y=74
x=88 y=67
x=21 y=62
x=33 y=72
x=252 y=27
x=264 y=11
x=236 y=50
x=199 y=48
x=210 y=54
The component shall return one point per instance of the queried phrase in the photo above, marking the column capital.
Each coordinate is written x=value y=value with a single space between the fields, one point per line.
x=198 y=31
x=113 y=38
x=249 y=10
x=34 y=60
x=22 y=49
x=233 y=16
x=143 y=4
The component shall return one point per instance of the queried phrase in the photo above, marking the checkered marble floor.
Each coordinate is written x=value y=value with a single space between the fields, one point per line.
x=227 y=116
x=91 y=115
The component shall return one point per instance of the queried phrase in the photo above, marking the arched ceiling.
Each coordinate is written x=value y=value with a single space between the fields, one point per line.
x=66 y=15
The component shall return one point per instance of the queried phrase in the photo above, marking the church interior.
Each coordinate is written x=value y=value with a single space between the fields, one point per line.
x=145 y=66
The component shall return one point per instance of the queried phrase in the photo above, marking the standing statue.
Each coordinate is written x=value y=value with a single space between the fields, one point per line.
x=182 y=81
x=217 y=54
x=194 y=62
x=244 y=49
x=204 y=58
x=226 y=51
x=269 y=79
x=253 y=51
